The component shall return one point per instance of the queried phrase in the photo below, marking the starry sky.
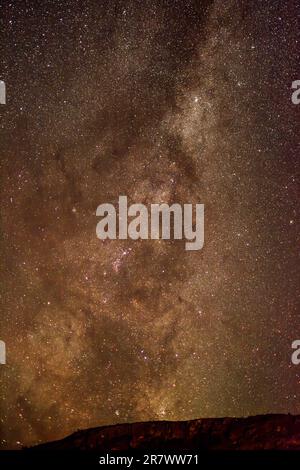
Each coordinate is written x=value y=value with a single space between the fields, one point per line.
x=163 y=101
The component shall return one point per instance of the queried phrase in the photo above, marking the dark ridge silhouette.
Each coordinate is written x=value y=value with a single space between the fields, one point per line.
x=264 y=432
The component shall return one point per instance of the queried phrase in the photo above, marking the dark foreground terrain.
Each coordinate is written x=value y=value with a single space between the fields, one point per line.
x=269 y=432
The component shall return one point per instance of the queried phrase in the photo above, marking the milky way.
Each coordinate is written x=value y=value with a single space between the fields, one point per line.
x=167 y=101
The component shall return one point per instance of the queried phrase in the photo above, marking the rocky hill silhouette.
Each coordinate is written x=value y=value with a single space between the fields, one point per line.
x=264 y=432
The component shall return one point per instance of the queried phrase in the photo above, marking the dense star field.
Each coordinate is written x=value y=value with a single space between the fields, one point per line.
x=162 y=101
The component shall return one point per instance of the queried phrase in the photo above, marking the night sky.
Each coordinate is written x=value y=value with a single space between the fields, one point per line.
x=163 y=101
